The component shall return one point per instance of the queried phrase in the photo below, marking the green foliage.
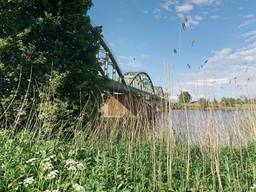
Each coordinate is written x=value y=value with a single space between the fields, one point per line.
x=185 y=97
x=121 y=166
x=203 y=103
x=48 y=54
x=228 y=102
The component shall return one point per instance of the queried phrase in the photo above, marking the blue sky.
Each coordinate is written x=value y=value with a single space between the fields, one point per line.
x=223 y=33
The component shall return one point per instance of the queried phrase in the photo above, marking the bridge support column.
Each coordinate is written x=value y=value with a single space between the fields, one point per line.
x=128 y=105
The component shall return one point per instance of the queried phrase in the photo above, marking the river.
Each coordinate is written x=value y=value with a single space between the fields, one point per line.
x=223 y=127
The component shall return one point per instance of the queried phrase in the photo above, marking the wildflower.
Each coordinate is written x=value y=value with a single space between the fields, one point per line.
x=74 y=165
x=46 y=159
x=71 y=153
x=71 y=162
x=28 y=181
x=80 y=166
x=52 y=157
x=40 y=20
x=78 y=187
x=72 y=168
x=47 y=166
x=53 y=174
x=253 y=186
x=31 y=160
x=56 y=190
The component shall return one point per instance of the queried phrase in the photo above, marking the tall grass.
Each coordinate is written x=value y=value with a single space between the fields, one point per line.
x=130 y=154
x=164 y=151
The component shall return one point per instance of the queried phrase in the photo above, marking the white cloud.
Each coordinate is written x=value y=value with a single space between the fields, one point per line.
x=248 y=19
x=230 y=59
x=129 y=62
x=228 y=72
x=206 y=82
x=249 y=36
x=234 y=63
x=250 y=16
x=247 y=54
x=214 y=16
x=219 y=58
x=194 y=20
x=199 y=2
x=166 y=4
x=157 y=13
x=145 y=11
x=184 y=8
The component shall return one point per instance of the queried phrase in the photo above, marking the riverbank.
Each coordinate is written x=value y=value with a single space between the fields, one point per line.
x=31 y=163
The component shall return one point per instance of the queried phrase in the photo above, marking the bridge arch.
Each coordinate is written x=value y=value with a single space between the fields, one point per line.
x=140 y=80
x=106 y=59
x=110 y=69
x=159 y=91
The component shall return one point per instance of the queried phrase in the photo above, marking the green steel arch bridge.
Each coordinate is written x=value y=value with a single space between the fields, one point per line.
x=135 y=83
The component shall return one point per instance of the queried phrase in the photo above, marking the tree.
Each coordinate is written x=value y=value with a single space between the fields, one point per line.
x=48 y=53
x=203 y=103
x=228 y=102
x=184 y=97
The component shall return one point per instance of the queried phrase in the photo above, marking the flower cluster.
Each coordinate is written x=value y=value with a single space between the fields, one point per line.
x=73 y=165
x=53 y=174
x=47 y=165
x=55 y=190
x=78 y=187
x=50 y=173
x=28 y=181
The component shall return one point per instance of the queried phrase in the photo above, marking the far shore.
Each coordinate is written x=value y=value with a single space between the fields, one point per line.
x=192 y=106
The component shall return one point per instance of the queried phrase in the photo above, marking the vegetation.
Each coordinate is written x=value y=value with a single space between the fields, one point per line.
x=185 y=97
x=226 y=103
x=31 y=163
x=50 y=90
x=48 y=61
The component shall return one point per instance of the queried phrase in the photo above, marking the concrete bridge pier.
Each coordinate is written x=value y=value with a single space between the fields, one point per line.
x=129 y=105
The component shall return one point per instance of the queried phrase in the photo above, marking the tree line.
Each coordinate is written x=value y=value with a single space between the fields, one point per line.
x=186 y=98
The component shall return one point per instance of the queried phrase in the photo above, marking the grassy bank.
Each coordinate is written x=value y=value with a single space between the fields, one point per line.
x=89 y=163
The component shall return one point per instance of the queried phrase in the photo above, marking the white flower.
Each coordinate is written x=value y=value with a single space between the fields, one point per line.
x=31 y=160
x=71 y=153
x=53 y=174
x=72 y=168
x=40 y=20
x=78 y=187
x=253 y=186
x=28 y=181
x=74 y=165
x=46 y=160
x=80 y=166
x=47 y=166
x=71 y=162
x=56 y=190
x=52 y=157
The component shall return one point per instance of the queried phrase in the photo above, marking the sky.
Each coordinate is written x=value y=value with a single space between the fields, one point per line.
x=215 y=43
